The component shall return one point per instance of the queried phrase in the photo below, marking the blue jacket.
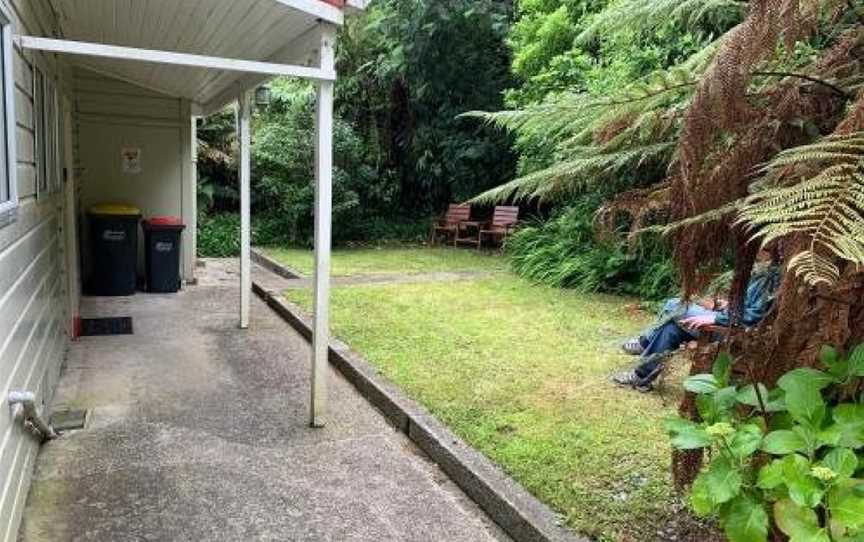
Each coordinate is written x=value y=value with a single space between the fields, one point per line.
x=759 y=299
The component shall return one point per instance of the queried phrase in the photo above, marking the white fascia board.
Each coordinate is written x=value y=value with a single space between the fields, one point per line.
x=319 y=9
x=357 y=5
x=172 y=58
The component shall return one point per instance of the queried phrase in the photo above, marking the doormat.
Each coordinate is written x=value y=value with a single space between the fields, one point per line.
x=95 y=327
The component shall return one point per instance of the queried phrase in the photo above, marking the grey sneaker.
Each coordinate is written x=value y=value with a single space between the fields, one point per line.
x=633 y=347
x=628 y=379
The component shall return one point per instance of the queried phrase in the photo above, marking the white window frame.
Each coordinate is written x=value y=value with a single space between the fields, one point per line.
x=9 y=156
x=46 y=113
x=52 y=120
x=39 y=148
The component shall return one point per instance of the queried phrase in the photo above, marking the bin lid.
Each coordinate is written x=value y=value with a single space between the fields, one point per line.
x=115 y=209
x=164 y=221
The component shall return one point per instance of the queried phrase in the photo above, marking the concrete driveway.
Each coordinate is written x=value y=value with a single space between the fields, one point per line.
x=198 y=432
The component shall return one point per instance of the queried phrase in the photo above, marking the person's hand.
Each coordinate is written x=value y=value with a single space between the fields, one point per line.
x=698 y=322
x=708 y=303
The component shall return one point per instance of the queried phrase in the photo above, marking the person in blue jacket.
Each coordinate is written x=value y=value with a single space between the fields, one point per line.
x=681 y=322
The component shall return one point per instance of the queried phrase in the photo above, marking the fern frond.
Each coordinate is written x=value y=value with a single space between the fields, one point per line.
x=828 y=208
x=591 y=166
x=814 y=268
x=714 y=215
x=648 y=15
x=845 y=148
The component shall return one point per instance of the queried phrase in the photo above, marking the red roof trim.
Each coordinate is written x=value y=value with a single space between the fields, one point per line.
x=337 y=3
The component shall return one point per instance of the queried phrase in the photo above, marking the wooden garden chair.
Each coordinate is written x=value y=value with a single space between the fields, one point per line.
x=503 y=223
x=448 y=225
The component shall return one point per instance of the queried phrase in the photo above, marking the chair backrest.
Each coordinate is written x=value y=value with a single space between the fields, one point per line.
x=505 y=216
x=457 y=213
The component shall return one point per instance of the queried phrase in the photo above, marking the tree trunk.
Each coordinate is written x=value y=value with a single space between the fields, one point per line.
x=808 y=318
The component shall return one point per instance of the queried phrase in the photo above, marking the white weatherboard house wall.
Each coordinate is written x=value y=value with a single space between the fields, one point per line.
x=83 y=80
x=33 y=307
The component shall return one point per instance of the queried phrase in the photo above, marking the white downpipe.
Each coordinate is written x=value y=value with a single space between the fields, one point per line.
x=24 y=408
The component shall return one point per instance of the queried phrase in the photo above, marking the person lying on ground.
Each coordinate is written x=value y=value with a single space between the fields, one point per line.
x=680 y=323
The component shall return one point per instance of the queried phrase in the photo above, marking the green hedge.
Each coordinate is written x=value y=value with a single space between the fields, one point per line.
x=219 y=234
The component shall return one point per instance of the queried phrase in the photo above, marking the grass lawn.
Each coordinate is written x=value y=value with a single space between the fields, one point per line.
x=521 y=372
x=404 y=260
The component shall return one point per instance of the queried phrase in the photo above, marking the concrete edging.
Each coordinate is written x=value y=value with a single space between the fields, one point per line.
x=512 y=507
x=273 y=266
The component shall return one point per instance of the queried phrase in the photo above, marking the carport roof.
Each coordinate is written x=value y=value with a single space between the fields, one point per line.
x=277 y=31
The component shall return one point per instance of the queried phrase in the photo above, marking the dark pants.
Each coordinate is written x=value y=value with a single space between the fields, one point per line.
x=665 y=338
x=670 y=335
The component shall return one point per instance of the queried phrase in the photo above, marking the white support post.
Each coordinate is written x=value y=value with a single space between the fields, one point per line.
x=323 y=217
x=244 y=127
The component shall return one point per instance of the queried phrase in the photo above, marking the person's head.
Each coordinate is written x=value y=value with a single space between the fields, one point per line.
x=769 y=255
x=765 y=257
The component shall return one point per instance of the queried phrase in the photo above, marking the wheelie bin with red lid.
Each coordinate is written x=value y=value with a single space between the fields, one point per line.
x=162 y=242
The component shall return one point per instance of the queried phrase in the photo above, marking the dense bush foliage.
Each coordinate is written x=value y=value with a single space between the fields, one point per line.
x=412 y=67
x=408 y=69
x=558 y=49
x=566 y=252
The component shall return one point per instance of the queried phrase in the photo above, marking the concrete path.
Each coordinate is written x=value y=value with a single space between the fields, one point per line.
x=198 y=432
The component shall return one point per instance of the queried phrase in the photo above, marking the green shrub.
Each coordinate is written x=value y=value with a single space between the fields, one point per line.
x=219 y=235
x=792 y=456
x=565 y=252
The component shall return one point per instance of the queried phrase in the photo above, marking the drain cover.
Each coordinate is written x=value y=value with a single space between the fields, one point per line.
x=91 y=327
x=68 y=420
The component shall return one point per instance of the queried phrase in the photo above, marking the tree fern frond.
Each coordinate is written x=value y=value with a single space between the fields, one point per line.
x=828 y=208
x=648 y=15
x=714 y=215
x=814 y=268
x=846 y=148
x=591 y=166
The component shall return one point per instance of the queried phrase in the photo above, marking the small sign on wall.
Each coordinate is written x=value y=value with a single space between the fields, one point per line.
x=131 y=157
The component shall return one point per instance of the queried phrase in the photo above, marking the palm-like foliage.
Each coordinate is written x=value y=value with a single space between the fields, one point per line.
x=596 y=139
x=827 y=207
x=642 y=15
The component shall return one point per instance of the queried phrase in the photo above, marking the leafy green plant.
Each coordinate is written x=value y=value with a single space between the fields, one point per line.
x=565 y=252
x=786 y=460
x=218 y=235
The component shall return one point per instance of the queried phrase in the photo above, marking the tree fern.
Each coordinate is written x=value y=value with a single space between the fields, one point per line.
x=598 y=137
x=827 y=207
x=576 y=173
x=648 y=15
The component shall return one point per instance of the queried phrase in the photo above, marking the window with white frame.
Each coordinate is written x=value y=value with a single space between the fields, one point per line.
x=47 y=124
x=39 y=130
x=8 y=181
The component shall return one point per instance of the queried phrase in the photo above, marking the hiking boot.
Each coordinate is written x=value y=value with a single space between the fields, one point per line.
x=633 y=347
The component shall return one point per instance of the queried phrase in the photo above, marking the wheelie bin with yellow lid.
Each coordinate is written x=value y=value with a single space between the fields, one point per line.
x=114 y=246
